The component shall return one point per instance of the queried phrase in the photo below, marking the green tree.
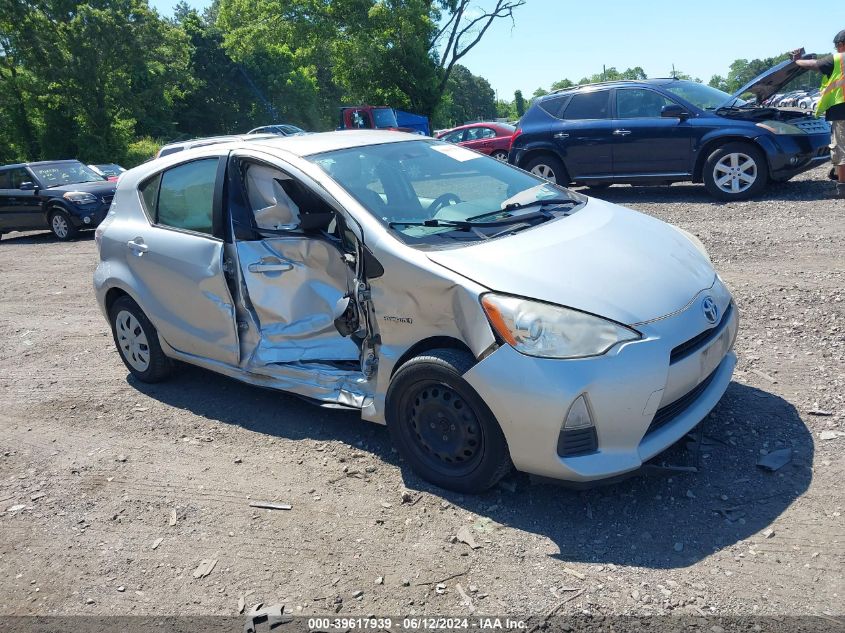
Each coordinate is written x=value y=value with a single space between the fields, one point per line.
x=561 y=84
x=82 y=79
x=468 y=97
x=220 y=100
x=505 y=110
x=519 y=103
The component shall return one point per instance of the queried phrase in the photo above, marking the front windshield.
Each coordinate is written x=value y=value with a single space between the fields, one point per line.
x=700 y=95
x=64 y=173
x=384 y=117
x=435 y=194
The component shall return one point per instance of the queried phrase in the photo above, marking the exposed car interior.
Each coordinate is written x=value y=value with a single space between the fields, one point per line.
x=295 y=274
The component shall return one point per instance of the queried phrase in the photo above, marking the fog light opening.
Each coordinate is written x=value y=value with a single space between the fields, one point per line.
x=87 y=220
x=579 y=415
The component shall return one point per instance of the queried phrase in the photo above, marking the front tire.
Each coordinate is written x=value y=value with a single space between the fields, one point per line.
x=549 y=168
x=61 y=225
x=442 y=427
x=137 y=341
x=735 y=171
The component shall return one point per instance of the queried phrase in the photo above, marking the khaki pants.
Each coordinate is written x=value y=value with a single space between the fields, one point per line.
x=837 y=142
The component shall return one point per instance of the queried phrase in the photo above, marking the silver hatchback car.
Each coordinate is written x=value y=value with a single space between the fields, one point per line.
x=489 y=318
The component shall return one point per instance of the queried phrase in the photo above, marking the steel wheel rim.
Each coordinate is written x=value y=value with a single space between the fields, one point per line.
x=132 y=341
x=544 y=171
x=735 y=173
x=444 y=429
x=59 y=225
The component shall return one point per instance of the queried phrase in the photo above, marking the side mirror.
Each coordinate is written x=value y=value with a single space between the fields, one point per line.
x=674 y=111
x=27 y=186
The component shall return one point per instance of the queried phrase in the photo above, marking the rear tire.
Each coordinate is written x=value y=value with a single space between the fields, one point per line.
x=735 y=171
x=136 y=340
x=500 y=155
x=442 y=427
x=549 y=168
x=61 y=225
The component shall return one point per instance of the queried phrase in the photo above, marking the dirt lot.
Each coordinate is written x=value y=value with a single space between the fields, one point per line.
x=126 y=487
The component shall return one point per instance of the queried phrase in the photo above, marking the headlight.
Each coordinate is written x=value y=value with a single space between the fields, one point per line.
x=779 y=127
x=549 y=331
x=80 y=197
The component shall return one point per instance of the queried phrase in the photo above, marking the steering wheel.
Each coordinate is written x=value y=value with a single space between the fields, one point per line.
x=442 y=200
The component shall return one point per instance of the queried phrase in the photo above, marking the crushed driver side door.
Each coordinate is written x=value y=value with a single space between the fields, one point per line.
x=298 y=312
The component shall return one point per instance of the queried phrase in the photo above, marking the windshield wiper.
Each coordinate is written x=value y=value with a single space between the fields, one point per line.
x=469 y=223
x=516 y=206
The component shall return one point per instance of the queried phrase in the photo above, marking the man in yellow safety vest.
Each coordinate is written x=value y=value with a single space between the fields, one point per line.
x=832 y=101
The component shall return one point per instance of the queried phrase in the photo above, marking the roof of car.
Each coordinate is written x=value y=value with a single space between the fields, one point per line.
x=657 y=81
x=309 y=144
x=39 y=162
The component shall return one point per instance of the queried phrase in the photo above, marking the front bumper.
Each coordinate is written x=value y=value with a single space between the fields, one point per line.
x=629 y=391
x=89 y=216
x=792 y=155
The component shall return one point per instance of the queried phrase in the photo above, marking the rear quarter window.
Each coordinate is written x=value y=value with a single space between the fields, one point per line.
x=555 y=105
x=588 y=105
x=182 y=197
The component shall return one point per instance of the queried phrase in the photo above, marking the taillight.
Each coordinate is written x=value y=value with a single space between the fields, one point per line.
x=516 y=133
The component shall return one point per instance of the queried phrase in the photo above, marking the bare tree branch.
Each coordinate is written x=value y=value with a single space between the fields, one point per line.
x=460 y=28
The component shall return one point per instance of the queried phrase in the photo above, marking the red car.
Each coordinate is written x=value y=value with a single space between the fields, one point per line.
x=488 y=138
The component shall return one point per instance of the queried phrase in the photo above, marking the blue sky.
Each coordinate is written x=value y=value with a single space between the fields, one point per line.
x=556 y=39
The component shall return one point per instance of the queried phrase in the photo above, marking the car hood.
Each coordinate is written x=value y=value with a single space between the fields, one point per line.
x=604 y=259
x=100 y=188
x=770 y=82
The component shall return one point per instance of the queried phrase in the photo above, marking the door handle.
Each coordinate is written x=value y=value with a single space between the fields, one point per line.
x=621 y=132
x=561 y=135
x=137 y=245
x=269 y=267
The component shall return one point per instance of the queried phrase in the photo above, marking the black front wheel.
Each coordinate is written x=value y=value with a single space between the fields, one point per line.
x=442 y=427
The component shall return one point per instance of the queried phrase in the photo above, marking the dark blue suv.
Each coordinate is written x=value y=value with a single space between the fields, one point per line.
x=668 y=130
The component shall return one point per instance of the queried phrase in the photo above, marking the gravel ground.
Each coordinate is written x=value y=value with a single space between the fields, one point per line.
x=113 y=492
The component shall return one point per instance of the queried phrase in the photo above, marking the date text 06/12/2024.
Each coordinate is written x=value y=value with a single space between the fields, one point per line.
x=416 y=623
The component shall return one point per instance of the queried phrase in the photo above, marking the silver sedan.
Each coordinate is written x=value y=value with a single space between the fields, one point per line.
x=488 y=318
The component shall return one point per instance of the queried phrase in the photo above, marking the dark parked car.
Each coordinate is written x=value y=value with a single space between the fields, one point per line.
x=61 y=195
x=669 y=130
x=110 y=171
x=493 y=139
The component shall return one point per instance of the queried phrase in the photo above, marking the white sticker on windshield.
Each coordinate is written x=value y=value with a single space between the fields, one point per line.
x=458 y=153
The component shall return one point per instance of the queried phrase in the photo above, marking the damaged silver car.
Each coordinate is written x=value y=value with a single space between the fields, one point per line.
x=489 y=318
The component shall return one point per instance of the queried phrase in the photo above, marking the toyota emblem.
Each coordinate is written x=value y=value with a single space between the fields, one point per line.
x=711 y=310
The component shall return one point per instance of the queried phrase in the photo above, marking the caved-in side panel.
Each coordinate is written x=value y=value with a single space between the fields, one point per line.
x=296 y=287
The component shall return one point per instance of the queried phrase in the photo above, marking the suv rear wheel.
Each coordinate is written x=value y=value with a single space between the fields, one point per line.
x=442 y=427
x=548 y=167
x=735 y=171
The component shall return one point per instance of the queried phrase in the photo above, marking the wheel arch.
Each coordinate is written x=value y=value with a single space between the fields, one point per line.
x=53 y=204
x=112 y=295
x=710 y=145
x=428 y=344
